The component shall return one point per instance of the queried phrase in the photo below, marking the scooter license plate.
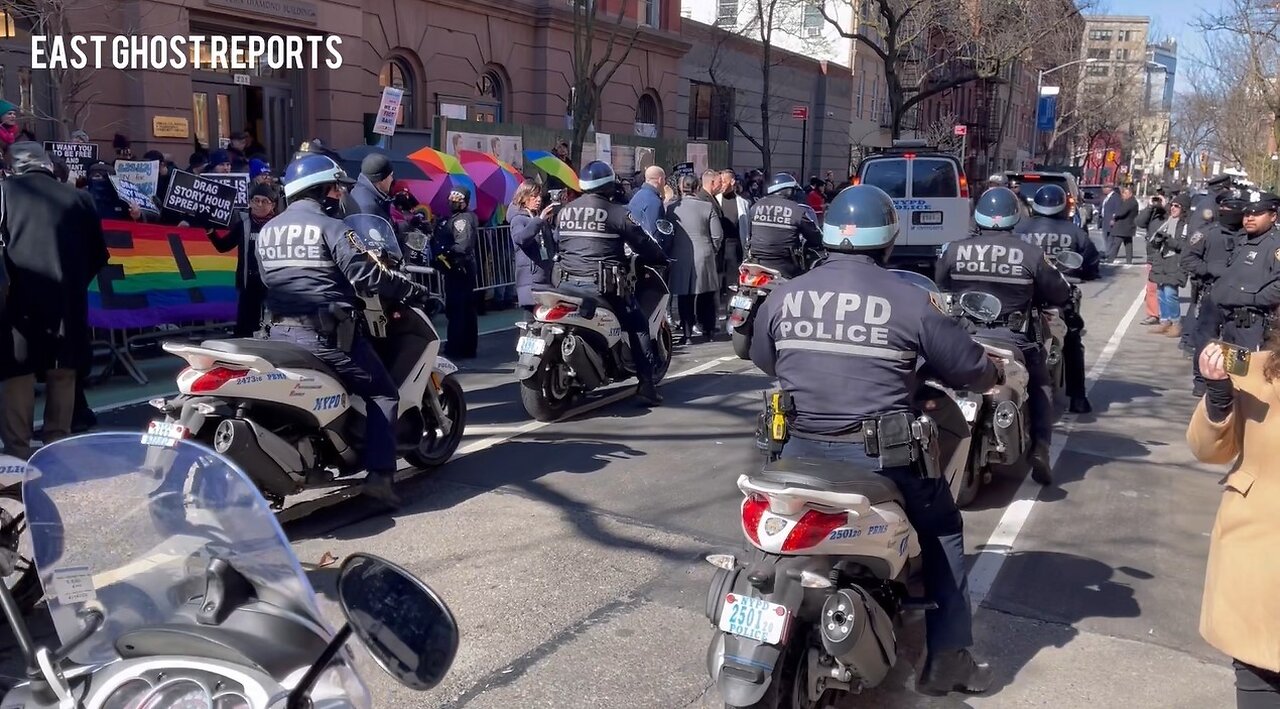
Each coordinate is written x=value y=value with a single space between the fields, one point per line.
x=163 y=433
x=741 y=302
x=531 y=346
x=754 y=618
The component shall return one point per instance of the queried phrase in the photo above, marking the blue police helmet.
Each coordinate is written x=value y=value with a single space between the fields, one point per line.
x=781 y=181
x=998 y=209
x=1050 y=200
x=597 y=176
x=860 y=218
x=312 y=171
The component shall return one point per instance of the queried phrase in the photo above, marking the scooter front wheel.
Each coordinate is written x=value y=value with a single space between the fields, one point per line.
x=435 y=449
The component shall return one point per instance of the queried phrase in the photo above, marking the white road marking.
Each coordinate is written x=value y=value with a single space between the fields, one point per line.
x=502 y=434
x=991 y=557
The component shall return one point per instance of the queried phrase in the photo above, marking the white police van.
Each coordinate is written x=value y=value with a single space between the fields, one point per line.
x=930 y=193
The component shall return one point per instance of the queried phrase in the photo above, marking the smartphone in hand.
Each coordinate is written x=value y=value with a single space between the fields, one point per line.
x=1235 y=359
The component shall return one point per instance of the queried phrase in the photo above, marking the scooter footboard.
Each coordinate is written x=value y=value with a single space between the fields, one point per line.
x=742 y=667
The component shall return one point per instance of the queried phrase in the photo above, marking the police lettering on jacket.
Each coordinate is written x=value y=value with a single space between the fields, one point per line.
x=1017 y=273
x=844 y=340
x=296 y=245
x=592 y=231
x=779 y=225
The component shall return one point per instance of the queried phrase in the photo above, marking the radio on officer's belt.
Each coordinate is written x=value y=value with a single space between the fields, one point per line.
x=772 y=432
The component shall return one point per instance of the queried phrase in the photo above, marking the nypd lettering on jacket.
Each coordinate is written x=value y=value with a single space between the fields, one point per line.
x=584 y=221
x=1051 y=244
x=996 y=262
x=293 y=245
x=849 y=323
x=776 y=215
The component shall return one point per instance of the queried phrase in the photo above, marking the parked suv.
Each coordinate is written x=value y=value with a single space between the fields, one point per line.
x=930 y=193
x=1032 y=181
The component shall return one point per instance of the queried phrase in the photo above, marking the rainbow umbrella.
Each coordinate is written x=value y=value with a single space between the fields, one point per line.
x=495 y=186
x=449 y=170
x=554 y=167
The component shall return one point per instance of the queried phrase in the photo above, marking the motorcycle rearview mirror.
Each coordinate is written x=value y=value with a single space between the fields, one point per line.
x=404 y=625
x=1069 y=260
x=666 y=228
x=982 y=307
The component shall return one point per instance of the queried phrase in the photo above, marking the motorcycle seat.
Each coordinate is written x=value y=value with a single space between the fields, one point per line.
x=832 y=476
x=277 y=352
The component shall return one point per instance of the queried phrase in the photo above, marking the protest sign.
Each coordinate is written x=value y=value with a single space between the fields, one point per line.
x=161 y=275
x=238 y=180
x=681 y=169
x=388 y=111
x=145 y=174
x=130 y=193
x=196 y=196
x=76 y=156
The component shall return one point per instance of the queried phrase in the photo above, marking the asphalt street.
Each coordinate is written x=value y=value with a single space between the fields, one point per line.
x=571 y=553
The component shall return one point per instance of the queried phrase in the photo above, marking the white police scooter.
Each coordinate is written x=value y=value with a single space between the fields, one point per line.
x=279 y=412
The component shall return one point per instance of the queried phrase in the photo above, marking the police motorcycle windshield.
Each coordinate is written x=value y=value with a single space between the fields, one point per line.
x=375 y=235
x=980 y=306
x=1068 y=260
x=415 y=240
x=918 y=280
x=132 y=527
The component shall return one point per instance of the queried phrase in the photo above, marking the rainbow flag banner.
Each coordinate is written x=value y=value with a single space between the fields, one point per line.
x=161 y=275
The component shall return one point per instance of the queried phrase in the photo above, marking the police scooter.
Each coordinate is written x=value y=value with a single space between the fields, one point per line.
x=575 y=343
x=278 y=411
x=1051 y=325
x=171 y=584
x=755 y=282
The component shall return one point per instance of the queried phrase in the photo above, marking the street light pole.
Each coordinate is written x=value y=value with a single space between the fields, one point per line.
x=1040 y=87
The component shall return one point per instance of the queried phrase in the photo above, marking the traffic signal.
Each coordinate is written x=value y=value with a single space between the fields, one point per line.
x=1111 y=156
x=1175 y=159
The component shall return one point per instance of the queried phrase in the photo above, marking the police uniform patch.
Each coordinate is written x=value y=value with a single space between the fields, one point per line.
x=1207 y=214
x=1277 y=254
x=460 y=227
x=1196 y=238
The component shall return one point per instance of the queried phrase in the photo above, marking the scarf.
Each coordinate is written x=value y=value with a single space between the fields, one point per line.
x=9 y=134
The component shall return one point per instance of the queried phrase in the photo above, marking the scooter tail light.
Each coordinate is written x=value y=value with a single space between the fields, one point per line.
x=752 y=510
x=213 y=379
x=813 y=527
x=559 y=311
x=753 y=280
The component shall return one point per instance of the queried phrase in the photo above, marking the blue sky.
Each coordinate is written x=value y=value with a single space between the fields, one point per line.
x=1171 y=18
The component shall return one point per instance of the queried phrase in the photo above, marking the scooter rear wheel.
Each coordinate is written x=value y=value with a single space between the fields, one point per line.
x=541 y=397
x=741 y=344
x=24 y=582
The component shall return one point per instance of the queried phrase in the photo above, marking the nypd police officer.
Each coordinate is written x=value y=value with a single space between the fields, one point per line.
x=592 y=235
x=844 y=341
x=1203 y=210
x=782 y=228
x=1249 y=291
x=1054 y=232
x=1020 y=275
x=1208 y=252
x=313 y=265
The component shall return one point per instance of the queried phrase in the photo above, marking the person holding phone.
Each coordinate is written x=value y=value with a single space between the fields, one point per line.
x=1240 y=611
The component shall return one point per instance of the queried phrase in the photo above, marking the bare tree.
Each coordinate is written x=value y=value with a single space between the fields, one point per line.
x=594 y=65
x=1243 y=41
x=941 y=133
x=928 y=47
x=1194 y=127
x=726 y=91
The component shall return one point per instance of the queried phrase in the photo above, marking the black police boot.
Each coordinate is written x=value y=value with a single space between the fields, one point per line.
x=381 y=487
x=648 y=394
x=1041 y=469
x=1080 y=405
x=953 y=671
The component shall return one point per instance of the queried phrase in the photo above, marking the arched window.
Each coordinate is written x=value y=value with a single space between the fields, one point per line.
x=397 y=74
x=648 y=116
x=490 y=92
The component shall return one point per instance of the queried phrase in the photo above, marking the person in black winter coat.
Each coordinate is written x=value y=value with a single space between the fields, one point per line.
x=242 y=236
x=55 y=250
x=460 y=298
x=1165 y=244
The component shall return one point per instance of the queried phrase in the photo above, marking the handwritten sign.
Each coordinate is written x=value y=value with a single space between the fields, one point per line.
x=198 y=197
x=144 y=174
x=388 y=111
x=681 y=169
x=76 y=156
x=238 y=180
x=132 y=194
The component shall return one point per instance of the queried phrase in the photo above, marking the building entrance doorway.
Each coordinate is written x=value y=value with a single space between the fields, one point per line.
x=220 y=109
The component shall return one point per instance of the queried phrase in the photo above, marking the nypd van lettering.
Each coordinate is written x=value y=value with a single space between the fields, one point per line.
x=911 y=204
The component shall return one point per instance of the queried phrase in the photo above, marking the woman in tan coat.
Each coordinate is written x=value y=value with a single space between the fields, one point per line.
x=1240 y=614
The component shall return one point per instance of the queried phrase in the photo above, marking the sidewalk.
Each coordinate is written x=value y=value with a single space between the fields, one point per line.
x=161 y=371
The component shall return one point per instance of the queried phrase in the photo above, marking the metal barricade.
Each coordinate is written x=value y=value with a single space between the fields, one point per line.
x=496 y=258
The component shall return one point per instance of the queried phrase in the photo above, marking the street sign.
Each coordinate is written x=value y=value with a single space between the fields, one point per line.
x=1046 y=113
x=961 y=129
x=800 y=113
